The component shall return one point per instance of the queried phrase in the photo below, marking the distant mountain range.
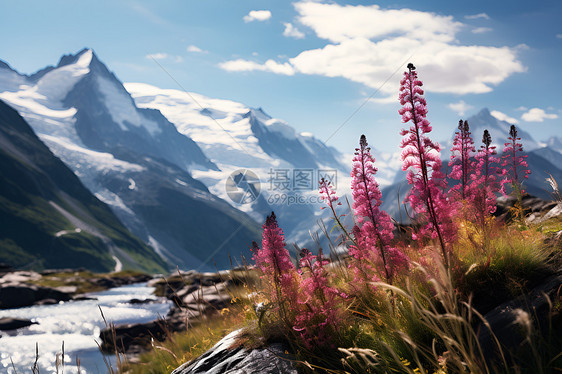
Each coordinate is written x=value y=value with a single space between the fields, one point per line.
x=161 y=161
x=132 y=159
x=173 y=165
x=48 y=219
x=237 y=137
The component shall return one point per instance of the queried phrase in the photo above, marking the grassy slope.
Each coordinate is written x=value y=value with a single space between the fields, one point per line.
x=520 y=260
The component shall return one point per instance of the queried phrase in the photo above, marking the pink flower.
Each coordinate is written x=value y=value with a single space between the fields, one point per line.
x=319 y=314
x=375 y=235
x=421 y=157
x=461 y=163
x=278 y=271
x=327 y=193
x=484 y=184
x=515 y=166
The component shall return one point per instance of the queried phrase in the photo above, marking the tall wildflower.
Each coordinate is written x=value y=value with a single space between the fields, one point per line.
x=319 y=314
x=329 y=196
x=421 y=155
x=484 y=187
x=374 y=237
x=514 y=164
x=462 y=165
x=484 y=183
x=278 y=271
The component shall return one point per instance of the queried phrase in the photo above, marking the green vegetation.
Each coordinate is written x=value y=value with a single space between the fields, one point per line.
x=185 y=346
x=84 y=281
x=427 y=321
x=42 y=203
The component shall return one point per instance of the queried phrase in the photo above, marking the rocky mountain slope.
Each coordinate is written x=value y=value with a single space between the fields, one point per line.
x=286 y=165
x=132 y=159
x=48 y=219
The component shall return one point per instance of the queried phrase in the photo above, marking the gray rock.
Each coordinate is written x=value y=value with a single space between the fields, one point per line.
x=506 y=320
x=15 y=295
x=224 y=358
x=8 y=323
x=19 y=277
x=554 y=212
x=133 y=337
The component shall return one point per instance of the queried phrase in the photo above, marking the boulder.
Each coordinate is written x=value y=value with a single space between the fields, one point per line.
x=196 y=296
x=228 y=357
x=8 y=323
x=535 y=209
x=19 y=277
x=17 y=295
x=509 y=320
x=143 y=301
x=134 y=337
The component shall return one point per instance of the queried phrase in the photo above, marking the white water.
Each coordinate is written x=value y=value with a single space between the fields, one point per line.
x=78 y=324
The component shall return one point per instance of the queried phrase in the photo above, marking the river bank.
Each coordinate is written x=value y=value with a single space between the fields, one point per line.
x=76 y=321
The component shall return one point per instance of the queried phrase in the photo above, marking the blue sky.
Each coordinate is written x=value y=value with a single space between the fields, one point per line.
x=314 y=63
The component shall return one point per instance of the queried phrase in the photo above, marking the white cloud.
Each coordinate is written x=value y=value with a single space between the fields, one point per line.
x=481 y=30
x=257 y=15
x=537 y=115
x=522 y=108
x=270 y=66
x=476 y=16
x=164 y=56
x=461 y=107
x=337 y=23
x=366 y=44
x=195 y=49
x=384 y=100
x=503 y=117
x=559 y=36
x=292 y=31
x=157 y=56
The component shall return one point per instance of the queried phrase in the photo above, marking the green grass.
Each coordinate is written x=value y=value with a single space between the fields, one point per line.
x=421 y=324
x=185 y=346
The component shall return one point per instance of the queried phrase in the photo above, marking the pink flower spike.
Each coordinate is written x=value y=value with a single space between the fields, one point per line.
x=514 y=164
x=484 y=186
x=421 y=157
x=278 y=271
x=376 y=230
x=461 y=163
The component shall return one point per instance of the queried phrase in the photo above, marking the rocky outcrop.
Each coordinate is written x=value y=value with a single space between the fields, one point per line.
x=535 y=209
x=196 y=297
x=108 y=281
x=512 y=321
x=17 y=295
x=25 y=288
x=8 y=323
x=229 y=357
x=133 y=338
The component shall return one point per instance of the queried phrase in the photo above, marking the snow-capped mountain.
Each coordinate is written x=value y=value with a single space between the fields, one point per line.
x=48 y=219
x=498 y=129
x=555 y=143
x=234 y=137
x=133 y=159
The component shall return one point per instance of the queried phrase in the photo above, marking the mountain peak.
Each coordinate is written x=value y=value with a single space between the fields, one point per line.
x=499 y=129
x=85 y=57
x=484 y=112
x=4 y=65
